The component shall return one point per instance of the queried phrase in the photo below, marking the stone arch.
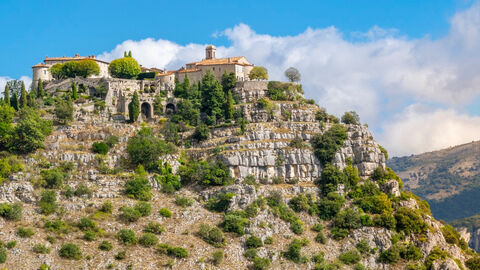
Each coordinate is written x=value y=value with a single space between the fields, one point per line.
x=146 y=110
x=170 y=108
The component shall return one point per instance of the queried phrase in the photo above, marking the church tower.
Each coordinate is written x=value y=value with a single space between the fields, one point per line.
x=210 y=52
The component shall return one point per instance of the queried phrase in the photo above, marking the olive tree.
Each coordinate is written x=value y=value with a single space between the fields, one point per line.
x=293 y=74
x=258 y=73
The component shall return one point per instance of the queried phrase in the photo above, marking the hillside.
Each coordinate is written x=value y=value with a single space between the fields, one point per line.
x=282 y=185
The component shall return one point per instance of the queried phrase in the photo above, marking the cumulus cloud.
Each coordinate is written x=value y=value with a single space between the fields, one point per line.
x=378 y=73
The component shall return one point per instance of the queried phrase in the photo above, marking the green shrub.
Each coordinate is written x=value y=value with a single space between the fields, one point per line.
x=145 y=148
x=177 y=252
x=169 y=181
x=148 y=240
x=105 y=245
x=121 y=255
x=359 y=266
x=111 y=140
x=8 y=164
x=129 y=214
x=144 y=208
x=436 y=254
x=350 y=257
x=217 y=257
x=268 y=240
x=220 y=202
x=70 y=251
x=260 y=263
x=347 y=219
x=11 y=244
x=82 y=190
x=165 y=212
x=100 y=148
x=89 y=235
x=385 y=220
x=41 y=249
x=154 y=227
x=327 y=144
x=213 y=173
x=11 y=211
x=183 y=201
x=86 y=224
x=107 y=207
x=390 y=256
x=250 y=253
x=201 y=132
x=139 y=187
x=297 y=142
x=453 y=237
x=297 y=226
x=25 y=232
x=211 y=235
x=318 y=227
x=127 y=237
x=351 y=118
x=409 y=221
x=293 y=252
x=48 y=202
x=472 y=263
x=254 y=242
x=3 y=254
x=329 y=206
x=301 y=202
x=53 y=178
x=363 y=246
x=125 y=68
x=234 y=223
x=339 y=233
x=280 y=209
x=57 y=226
x=320 y=238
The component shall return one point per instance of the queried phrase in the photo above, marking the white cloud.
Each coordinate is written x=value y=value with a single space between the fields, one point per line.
x=419 y=129
x=377 y=73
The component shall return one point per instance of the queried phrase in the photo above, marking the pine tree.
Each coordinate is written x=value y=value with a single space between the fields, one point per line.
x=212 y=98
x=23 y=97
x=6 y=97
x=134 y=108
x=74 y=91
x=14 y=100
x=229 y=106
x=40 y=92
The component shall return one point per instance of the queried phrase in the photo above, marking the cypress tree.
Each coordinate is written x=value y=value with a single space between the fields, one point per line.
x=229 y=106
x=23 y=97
x=6 y=97
x=125 y=54
x=74 y=91
x=129 y=53
x=14 y=100
x=40 y=92
x=31 y=99
x=134 y=108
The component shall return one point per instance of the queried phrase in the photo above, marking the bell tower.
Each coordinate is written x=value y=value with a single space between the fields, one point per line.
x=210 y=52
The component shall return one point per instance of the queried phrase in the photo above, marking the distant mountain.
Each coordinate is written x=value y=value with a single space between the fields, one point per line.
x=448 y=179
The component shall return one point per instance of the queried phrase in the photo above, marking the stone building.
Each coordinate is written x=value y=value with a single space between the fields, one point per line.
x=42 y=70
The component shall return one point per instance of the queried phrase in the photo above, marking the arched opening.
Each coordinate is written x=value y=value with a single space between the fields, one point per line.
x=146 y=110
x=170 y=108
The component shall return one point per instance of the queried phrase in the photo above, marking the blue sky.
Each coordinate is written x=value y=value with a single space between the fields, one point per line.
x=409 y=68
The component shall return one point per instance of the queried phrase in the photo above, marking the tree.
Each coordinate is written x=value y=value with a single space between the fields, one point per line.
x=6 y=127
x=293 y=74
x=74 y=91
x=212 y=97
x=258 y=73
x=134 y=108
x=351 y=118
x=228 y=81
x=129 y=53
x=125 y=68
x=14 y=101
x=31 y=99
x=187 y=112
x=23 y=97
x=30 y=132
x=6 y=95
x=229 y=106
x=57 y=71
x=86 y=68
x=64 y=110
x=40 y=91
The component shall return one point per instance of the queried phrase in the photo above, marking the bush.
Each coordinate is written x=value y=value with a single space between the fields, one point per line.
x=105 y=245
x=268 y=240
x=351 y=118
x=89 y=235
x=260 y=263
x=328 y=207
x=320 y=238
x=350 y=257
x=53 y=177
x=254 y=242
x=64 y=110
x=436 y=254
x=297 y=142
x=281 y=210
x=125 y=68
x=220 y=202
x=3 y=254
x=177 y=252
x=250 y=253
x=148 y=240
x=29 y=132
x=154 y=227
x=217 y=257
x=301 y=202
x=327 y=144
x=453 y=237
x=139 y=188
x=100 y=148
x=70 y=251
x=41 y=249
x=377 y=204
x=385 y=220
x=127 y=237
x=24 y=232
x=472 y=263
x=409 y=221
x=265 y=104
x=339 y=233
x=363 y=246
x=145 y=209
x=129 y=214
x=201 y=132
x=107 y=207
x=213 y=173
x=82 y=190
x=234 y=223
x=11 y=244
x=48 y=202
x=390 y=256
x=86 y=224
x=145 y=148
x=183 y=201
x=111 y=141
x=347 y=219
x=294 y=251
x=258 y=73
x=165 y=212
x=120 y=255
x=211 y=235
x=11 y=211
x=169 y=181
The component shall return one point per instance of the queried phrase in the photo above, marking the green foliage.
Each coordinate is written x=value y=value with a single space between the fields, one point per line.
x=74 y=91
x=350 y=257
x=384 y=151
x=434 y=255
x=3 y=254
x=293 y=252
x=213 y=98
x=254 y=242
x=127 y=237
x=347 y=219
x=385 y=220
x=376 y=204
x=217 y=257
x=23 y=97
x=406 y=251
x=100 y=148
x=41 y=249
x=235 y=223
x=146 y=75
x=329 y=206
x=82 y=68
x=260 y=263
x=82 y=190
x=327 y=144
x=409 y=221
x=6 y=127
x=301 y=202
x=148 y=240
x=363 y=247
x=139 y=187
x=125 y=68
x=132 y=214
x=297 y=142
x=187 y=112
x=473 y=263
x=211 y=235
x=280 y=209
x=105 y=245
x=11 y=211
x=145 y=148
x=53 y=178
x=48 y=202
x=154 y=227
x=11 y=244
x=212 y=173
x=283 y=90
x=453 y=237
x=165 y=212
x=351 y=118
x=183 y=201
x=177 y=252
x=134 y=108
x=258 y=73
x=25 y=232
x=70 y=251
x=29 y=133
x=6 y=95
x=265 y=104
x=220 y=202
x=107 y=207
x=57 y=226
x=201 y=132
x=120 y=255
